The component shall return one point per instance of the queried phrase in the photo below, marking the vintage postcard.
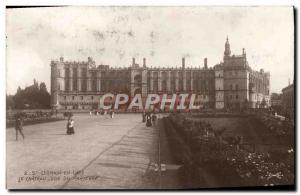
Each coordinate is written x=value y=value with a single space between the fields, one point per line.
x=128 y=97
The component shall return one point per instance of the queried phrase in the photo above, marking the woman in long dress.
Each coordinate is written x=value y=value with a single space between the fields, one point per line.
x=68 y=126
x=71 y=126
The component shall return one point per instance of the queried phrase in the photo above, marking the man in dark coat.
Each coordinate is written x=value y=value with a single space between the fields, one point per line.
x=144 y=117
x=19 y=127
x=148 y=120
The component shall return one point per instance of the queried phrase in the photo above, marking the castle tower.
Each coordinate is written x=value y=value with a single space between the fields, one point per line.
x=205 y=63
x=57 y=81
x=54 y=84
x=227 y=51
x=144 y=62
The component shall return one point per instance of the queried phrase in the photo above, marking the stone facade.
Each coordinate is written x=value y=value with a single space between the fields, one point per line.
x=230 y=84
x=288 y=104
x=237 y=85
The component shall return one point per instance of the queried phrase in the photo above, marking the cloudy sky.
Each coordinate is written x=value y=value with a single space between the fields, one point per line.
x=113 y=35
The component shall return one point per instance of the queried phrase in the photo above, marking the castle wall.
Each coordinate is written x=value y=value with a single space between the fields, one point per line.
x=230 y=84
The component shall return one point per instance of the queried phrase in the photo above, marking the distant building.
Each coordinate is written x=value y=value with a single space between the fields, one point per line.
x=242 y=87
x=276 y=99
x=231 y=84
x=288 y=105
x=276 y=103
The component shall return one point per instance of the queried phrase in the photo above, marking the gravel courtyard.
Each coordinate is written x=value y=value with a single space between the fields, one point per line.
x=104 y=153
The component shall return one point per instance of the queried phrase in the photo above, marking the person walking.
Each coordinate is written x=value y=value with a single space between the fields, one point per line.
x=144 y=117
x=112 y=113
x=148 y=120
x=71 y=126
x=19 y=127
x=68 y=126
x=154 y=117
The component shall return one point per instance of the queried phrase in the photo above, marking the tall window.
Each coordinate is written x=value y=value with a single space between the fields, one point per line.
x=84 y=80
x=173 y=85
x=188 y=81
x=67 y=73
x=74 y=72
x=148 y=80
x=164 y=78
x=155 y=81
x=67 y=79
x=94 y=85
x=195 y=81
x=164 y=85
x=103 y=82
x=75 y=79
x=94 y=81
x=180 y=83
x=74 y=84
x=173 y=81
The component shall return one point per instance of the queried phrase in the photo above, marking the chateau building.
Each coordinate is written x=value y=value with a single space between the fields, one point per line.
x=288 y=101
x=237 y=85
x=231 y=84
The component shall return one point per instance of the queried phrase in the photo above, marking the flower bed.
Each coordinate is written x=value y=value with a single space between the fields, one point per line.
x=196 y=144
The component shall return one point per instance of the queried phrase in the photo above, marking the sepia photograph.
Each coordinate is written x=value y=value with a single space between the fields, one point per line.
x=150 y=97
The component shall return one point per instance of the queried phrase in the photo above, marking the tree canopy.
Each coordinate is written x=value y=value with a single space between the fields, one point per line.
x=35 y=96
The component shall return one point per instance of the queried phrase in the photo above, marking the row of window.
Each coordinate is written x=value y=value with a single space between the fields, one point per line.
x=234 y=96
x=81 y=97
x=74 y=107
x=233 y=72
x=236 y=87
x=83 y=85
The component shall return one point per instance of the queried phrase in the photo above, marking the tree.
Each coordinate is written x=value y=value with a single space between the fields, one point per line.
x=10 y=103
x=34 y=97
x=263 y=103
x=18 y=99
x=44 y=96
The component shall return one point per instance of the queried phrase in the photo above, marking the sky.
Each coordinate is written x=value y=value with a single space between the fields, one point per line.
x=163 y=35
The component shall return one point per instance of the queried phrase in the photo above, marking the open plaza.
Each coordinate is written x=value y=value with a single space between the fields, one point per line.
x=103 y=153
x=123 y=153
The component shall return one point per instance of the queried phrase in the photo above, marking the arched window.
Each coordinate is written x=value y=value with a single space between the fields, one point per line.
x=155 y=81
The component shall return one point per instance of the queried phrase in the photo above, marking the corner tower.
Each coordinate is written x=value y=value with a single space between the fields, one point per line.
x=227 y=51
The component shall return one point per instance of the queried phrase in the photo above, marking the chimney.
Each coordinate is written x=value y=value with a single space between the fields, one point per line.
x=205 y=63
x=133 y=61
x=183 y=63
x=144 y=62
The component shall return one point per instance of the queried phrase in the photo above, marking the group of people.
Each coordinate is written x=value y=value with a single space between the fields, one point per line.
x=70 y=126
x=149 y=118
x=104 y=112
